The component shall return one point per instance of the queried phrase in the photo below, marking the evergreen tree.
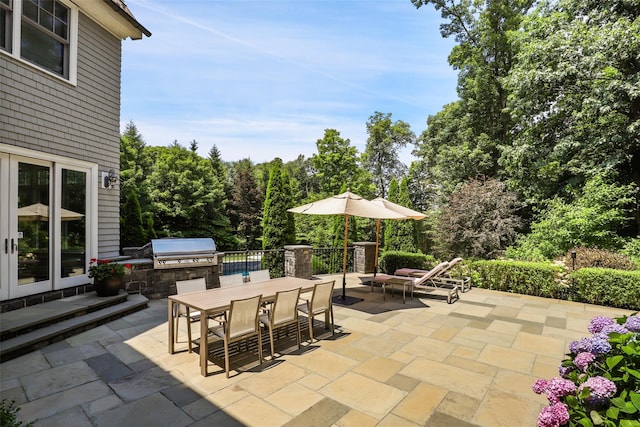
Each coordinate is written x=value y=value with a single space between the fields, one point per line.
x=278 y=228
x=407 y=231
x=187 y=197
x=135 y=166
x=218 y=166
x=132 y=233
x=246 y=202
x=391 y=226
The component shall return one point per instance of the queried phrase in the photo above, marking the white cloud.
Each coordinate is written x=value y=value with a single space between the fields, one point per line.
x=263 y=79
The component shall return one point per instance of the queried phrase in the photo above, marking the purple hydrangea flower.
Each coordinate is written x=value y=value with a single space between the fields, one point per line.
x=582 y=360
x=553 y=416
x=582 y=346
x=599 y=322
x=633 y=323
x=564 y=371
x=559 y=387
x=600 y=344
x=600 y=389
x=614 y=328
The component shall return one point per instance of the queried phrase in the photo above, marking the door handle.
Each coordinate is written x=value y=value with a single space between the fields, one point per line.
x=12 y=246
x=6 y=246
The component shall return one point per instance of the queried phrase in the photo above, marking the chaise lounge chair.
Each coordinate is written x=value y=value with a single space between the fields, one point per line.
x=427 y=281
x=444 y=277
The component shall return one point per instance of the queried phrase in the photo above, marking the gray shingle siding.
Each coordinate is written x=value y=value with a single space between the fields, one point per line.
x=43 y=113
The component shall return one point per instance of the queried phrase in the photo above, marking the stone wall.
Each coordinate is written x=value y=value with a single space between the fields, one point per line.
x=155 y=284
x=297 y=261
x=364 y=257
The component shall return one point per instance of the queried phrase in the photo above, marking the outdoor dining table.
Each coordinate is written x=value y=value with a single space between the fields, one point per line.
x=218 y=300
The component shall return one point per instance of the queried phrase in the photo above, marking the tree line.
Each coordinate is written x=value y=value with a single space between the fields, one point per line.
x=540 y=152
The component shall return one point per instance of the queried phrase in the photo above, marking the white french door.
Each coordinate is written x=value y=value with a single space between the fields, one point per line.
x=44 y=237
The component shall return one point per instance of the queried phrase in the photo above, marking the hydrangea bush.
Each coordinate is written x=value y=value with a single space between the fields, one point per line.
x=599 y=382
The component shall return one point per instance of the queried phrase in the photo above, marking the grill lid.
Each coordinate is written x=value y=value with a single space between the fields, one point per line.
x=175 y=247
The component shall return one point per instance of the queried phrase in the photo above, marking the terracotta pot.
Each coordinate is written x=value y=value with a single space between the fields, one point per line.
x=108 y=287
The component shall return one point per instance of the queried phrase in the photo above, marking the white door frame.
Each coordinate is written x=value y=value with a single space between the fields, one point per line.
x=10 y=156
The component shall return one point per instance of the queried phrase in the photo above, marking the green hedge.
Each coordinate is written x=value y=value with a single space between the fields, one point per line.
x=530 y=278
x=603 y=286
x=390 y=261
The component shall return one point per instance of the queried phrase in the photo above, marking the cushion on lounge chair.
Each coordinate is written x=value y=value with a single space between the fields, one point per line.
x=427 y=280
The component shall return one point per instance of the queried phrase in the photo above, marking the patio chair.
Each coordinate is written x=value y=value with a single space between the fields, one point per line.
x=283 y=312
x=242 y=323
x=184 y=287
x=445 y=276
x=424 y=282
x=231 y=280
x=320 y=303
x=259 y=276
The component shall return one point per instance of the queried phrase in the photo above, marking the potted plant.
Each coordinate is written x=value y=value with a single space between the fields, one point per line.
x=107 y=276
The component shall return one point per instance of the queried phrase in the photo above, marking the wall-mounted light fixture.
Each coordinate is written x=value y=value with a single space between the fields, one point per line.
x=109 y=179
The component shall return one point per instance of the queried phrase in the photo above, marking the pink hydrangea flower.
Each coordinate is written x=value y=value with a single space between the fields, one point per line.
x=582 y=360
x=540 y=386
x=601 y=389
x=553 y=416
x=559 y=387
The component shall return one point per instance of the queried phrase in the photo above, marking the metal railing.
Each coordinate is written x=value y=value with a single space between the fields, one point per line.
x=330 y=260
x=323 y=261
x=252 y=260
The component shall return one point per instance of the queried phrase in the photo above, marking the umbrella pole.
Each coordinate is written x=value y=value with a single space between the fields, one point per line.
x=344 y=257
x=375 y=263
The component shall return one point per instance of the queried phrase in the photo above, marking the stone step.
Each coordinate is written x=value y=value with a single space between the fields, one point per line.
x=17 y=322
x=59 y=330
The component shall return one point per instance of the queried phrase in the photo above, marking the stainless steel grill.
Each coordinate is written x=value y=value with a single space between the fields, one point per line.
x=180 y=253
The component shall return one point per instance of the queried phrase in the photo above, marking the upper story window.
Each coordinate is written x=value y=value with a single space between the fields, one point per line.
x=42 y=32
x=45 y=34
x=6 y=6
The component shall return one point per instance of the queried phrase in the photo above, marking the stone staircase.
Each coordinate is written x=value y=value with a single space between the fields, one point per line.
x=34 y=327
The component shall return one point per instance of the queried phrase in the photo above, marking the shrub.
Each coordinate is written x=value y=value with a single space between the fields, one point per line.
x=592 y=219
x=599 y=382
x=319 y=265
x=594 y=257
x=390 y=261
x=529 y=278
x=614 y=288
x=525 y=253
x=9 y=414
x=632 y=250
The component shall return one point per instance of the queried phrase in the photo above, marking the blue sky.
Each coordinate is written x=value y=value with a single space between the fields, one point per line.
x=264 y=78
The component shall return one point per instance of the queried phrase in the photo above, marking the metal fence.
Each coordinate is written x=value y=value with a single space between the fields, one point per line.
x=323 y=261
x=330 y=260
x=252 y=260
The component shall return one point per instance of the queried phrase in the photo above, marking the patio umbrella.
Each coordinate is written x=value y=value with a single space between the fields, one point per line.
x=40 y=212
x=406 y=212
x=347 y=204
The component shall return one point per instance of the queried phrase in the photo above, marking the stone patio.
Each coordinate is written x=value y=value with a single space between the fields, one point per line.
x=423 y=363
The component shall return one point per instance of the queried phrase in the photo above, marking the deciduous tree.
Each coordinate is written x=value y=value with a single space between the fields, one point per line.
x=479 y=220
x=574 y=98
x=385 y=140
